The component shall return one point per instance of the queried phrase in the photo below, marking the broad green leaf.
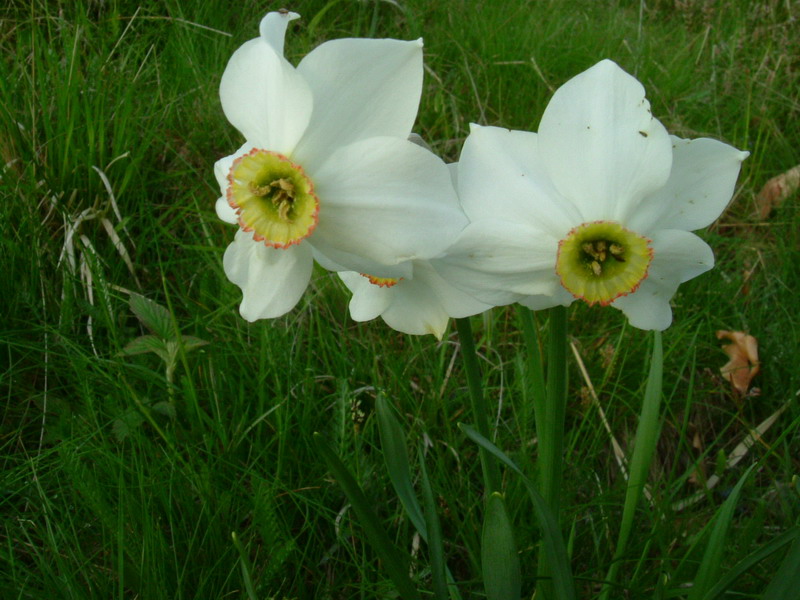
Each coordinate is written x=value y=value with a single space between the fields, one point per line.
x=499 y=558
x=191 y=342
x=164 y=408
x=154 y=316
x=393 y=560
x=395 y=455
x=563 y=585
x=708 y=573
x=787 y=580
x=144 y=344
x=123 y=426
x=435 y=541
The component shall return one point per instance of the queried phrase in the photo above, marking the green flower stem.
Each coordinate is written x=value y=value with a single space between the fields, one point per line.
x=551 y=434
x=644 y=446
x=549 y=408
x=480 y=412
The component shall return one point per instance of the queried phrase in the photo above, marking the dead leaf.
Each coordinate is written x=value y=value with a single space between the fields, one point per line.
x=776 y=191
x=743 y=364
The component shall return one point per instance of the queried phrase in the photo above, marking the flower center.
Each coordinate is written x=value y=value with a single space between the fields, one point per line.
x=386 y=282
x=273 y=197
x=599 y=262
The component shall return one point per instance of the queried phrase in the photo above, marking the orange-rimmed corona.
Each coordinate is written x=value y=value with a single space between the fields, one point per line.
x=384 y=282
x=273 y=198
x=601 y=261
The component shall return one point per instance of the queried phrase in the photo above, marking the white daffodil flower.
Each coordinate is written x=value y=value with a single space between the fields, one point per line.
x=418 y=304
x=597 y=206
x=327 y=170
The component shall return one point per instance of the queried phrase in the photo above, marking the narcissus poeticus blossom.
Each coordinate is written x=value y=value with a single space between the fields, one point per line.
x=418 y=304
x=327 y=170
x=597 y=206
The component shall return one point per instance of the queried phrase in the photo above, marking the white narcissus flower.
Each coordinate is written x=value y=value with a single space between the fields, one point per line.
x=599 y=205
x=419 y=304
x=327 y=170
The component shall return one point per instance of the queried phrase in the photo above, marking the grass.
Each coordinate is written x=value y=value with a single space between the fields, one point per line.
x=107 y=490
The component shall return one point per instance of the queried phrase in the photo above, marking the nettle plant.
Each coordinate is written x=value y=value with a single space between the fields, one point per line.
x=165 y=341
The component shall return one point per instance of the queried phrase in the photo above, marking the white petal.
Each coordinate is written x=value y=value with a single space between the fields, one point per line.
x=647 y=308
x=386 y=201
x=416 y=310
x=455 y=302
x=262 y=95
x=273 y=29
x=221 y=169
x=501 y=174
x=701 y=184
x=602 y=147
x=368 y=300
x=560 y=297
x=272 y=280
x=499 y=262
x=677 y=257
x=362 y=88
x=225 y=212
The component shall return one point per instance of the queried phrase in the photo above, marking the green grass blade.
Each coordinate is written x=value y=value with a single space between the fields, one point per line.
x=435 y=541
x=499 y=558
x=393 y=559
x=563 y=585
x=480 y=410
x=708 y=572
x=644 y=445
x=787 y=580
x=395 y=455
x=752 y=559
x=247 y=569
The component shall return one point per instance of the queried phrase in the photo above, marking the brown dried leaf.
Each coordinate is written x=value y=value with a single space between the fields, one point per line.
x=743 y=364
x=776 y=191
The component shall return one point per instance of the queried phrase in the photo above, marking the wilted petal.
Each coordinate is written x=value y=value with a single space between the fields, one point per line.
x=602 y=147
x=262 y=95
x=385 y=201
x=272 y=280
x=362 y=88
x=701 y=184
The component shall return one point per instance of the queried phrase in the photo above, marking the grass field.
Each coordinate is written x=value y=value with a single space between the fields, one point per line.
x=125 y=476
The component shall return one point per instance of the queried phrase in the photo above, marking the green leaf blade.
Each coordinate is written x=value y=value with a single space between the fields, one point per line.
x=393 y=560
x=395 y=455
x=153 y=316
x=502 y=578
